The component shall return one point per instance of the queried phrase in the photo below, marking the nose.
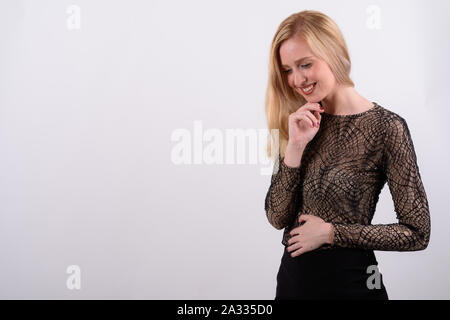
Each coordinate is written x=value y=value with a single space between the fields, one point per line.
x=299 y=79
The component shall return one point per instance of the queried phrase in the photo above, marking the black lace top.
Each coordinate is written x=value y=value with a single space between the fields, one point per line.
x=341 y=175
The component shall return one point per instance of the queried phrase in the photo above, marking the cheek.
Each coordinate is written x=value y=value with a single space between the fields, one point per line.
x=290 y=81
x=324 y=76
x=315 y=73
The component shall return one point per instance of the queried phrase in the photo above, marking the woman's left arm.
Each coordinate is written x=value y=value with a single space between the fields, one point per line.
x=412 y=233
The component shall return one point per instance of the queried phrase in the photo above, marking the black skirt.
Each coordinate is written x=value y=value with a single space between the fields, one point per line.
x=334 y=273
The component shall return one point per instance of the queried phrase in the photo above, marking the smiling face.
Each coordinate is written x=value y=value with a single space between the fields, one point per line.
x=301 y=73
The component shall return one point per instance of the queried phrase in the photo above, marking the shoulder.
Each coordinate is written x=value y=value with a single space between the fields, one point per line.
x=396 y=132
x=391 y=121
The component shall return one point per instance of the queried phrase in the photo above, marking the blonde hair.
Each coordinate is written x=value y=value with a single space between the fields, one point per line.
x=326 y=41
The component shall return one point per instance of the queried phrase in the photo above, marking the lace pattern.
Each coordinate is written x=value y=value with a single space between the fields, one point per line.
x=342 y=172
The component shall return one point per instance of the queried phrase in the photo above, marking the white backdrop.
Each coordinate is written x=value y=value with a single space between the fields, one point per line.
x=92 y=96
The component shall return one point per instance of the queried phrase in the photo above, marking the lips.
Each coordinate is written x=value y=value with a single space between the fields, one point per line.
x=307 y=86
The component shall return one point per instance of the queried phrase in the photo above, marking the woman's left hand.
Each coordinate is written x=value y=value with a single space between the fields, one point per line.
x=309 y=236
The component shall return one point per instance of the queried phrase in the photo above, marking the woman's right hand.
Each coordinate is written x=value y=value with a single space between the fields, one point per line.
x=303 y=125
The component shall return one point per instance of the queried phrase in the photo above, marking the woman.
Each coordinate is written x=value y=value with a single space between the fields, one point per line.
x=336 y=152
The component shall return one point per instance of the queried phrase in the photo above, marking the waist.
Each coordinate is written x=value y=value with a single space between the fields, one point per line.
x=335 y=257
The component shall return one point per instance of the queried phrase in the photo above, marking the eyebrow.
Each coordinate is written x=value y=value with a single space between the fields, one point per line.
x=297 y=61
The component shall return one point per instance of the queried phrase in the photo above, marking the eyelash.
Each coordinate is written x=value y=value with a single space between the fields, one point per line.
x=305 y=65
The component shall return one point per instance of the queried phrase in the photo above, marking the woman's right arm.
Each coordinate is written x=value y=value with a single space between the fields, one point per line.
x=283 y=199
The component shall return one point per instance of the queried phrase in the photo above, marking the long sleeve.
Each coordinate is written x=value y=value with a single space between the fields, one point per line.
x=412 y=232
x=282 y=199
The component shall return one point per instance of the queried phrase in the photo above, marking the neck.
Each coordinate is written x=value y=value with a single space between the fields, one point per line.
x=345 y=100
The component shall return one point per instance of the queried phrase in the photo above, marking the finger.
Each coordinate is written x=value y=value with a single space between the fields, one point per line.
x=312 y=107
x=317 y=117
x=293 y=240
x=309 y=118
x=294 y=247
x=298 y=252
x=303 y=217
x=312 y=119
x=293 y=233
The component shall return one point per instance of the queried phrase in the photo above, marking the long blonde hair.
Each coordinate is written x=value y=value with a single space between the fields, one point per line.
x=326 y=41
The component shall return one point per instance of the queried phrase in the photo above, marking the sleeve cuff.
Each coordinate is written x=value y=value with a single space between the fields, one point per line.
x=336 y=234
x=290 y=177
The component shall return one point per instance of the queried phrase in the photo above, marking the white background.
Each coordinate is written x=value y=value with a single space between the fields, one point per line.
x=86 y=118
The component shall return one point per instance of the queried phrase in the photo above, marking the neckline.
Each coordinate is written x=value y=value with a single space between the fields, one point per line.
x=355 y=115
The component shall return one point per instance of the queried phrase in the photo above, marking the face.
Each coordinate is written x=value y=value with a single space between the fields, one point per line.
x=303 y=73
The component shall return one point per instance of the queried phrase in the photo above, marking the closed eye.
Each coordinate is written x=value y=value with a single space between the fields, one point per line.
x=303 y=66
